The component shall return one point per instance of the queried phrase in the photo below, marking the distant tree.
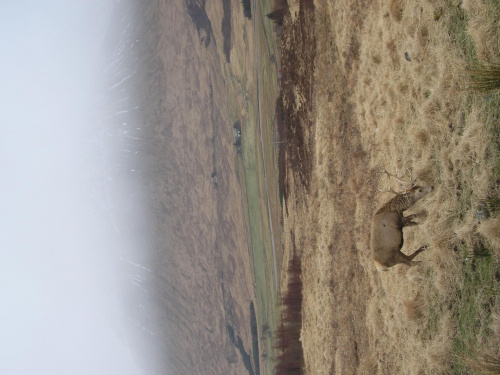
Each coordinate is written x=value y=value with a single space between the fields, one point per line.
x=280 y=8
x=277 y=16
x=247 y=8
x=290 y=357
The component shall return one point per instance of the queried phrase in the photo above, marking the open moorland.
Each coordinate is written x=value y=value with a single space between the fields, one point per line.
x=370 y=86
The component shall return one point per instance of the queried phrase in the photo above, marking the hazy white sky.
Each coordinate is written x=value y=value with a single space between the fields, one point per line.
x=57 y=277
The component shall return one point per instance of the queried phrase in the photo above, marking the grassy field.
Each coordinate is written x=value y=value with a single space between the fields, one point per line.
x=244 y=106
x=258 y=153
x=259 y=237
x=269 y=91
x=394 y=90
x=459 y=306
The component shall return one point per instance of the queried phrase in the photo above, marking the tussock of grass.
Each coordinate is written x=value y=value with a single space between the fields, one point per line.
x=490 y=230
x=482 y=26
x=492 y=204
x=414 y=308
x=487 y=364
x=484 y=78
x=396 y=10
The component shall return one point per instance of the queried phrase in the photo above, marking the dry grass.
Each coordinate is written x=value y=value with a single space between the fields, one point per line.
x=483 y=28
x=484 y=77
x=484 y=363
x=396 y=10
x=388 y=94
x=414 y=308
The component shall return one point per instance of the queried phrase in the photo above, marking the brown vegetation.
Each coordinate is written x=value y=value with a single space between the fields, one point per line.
x=293 y=112
x=298 y=48
x=290 y=357
x=396 y=10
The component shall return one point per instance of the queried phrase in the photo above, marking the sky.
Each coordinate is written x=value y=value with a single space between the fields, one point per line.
x=59 y=282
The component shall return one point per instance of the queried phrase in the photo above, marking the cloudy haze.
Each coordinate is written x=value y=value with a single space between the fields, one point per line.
x=60 y=281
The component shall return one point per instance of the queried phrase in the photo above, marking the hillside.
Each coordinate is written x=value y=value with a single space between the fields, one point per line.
x=167 y=105
x=391 y=90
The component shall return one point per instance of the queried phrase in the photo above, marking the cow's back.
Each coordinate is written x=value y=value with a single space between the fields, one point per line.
x=387 y=236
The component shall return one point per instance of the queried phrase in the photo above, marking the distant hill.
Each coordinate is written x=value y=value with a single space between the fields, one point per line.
x=188 y=273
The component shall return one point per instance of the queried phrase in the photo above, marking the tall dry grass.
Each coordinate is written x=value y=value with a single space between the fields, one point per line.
x=483 y=28
x=484 y=77
x=484 y=363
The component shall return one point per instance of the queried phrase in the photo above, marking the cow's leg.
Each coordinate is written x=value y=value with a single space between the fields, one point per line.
x=408 y=220
x=408 y=259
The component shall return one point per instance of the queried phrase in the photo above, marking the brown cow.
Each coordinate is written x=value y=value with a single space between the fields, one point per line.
x=387 y=229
